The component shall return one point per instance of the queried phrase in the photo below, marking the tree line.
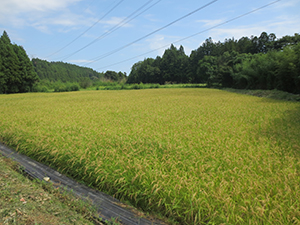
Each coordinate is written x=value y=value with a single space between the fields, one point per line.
x=263 y=62
x=19 y=74
x=16 y=70
x=61 y=73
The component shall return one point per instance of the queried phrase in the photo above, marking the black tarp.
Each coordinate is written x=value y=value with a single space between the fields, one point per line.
x=108 y=207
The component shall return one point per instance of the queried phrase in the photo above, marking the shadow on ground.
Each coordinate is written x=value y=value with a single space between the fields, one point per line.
x=284 y=131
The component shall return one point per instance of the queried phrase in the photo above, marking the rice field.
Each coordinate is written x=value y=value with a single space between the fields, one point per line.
x=194 y=156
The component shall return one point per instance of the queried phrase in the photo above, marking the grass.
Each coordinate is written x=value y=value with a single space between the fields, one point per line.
x=116 y=86
x=25 y=202
x=66 y=87
x=195 y=156
x=274 y=94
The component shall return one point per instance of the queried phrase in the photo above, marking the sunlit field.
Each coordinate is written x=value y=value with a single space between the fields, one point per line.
x=195 y=156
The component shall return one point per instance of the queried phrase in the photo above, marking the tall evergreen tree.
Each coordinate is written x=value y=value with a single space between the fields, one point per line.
x=174 y=65
x=2 y=77
x=29 y=76
x=16 y=71
x=10 y=66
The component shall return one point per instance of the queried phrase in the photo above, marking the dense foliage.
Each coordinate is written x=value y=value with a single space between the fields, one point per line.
x=61 y=77
x=258 y=62
x=263 y=62
x=62 y=73
x=16 y=70
x=65 y=72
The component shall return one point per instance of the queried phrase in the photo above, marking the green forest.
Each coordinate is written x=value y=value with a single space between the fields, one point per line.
x=65 y=72
x=16 y=70
x=263 y=62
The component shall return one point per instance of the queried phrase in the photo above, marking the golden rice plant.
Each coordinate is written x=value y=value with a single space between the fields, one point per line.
x=196 y=156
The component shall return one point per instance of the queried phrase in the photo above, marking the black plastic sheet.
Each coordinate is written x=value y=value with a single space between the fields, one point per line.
x=107 y=206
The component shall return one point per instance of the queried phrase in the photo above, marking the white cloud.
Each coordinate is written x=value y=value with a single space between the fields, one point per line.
x=21 y=6
x=80 y=61
x=115 y=21
x=67 y=19
x=32 y=12
x=42 y=28
x=285 y=4
x=219 y=34
x=163 y=42
x=285 y=25
x=210 y=23
x=279 y=26
x=158 y=42
x=151 y=18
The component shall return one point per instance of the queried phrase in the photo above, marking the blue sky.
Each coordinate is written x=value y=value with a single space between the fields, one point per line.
x=99 y=35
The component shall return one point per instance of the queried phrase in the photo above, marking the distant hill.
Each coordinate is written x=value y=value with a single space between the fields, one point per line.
x=65 y=72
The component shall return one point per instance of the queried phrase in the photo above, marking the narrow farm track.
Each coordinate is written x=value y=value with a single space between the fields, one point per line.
x=108 y=207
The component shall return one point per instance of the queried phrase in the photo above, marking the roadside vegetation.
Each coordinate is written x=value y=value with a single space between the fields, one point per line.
x=194 y=156
x=23 y=201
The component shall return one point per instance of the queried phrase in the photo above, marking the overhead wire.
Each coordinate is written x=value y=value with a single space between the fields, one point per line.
x=183 y=39
x=64 y=28
x=116 y=27
x=153 y=32
x=84 y=32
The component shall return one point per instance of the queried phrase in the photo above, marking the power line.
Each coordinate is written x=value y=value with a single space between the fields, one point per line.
x=116 y=27
x=80 y=35
x=183 y=39
x=64 y=28
x=153 y=32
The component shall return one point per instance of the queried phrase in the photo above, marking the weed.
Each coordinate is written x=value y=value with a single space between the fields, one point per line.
x=25 y=202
